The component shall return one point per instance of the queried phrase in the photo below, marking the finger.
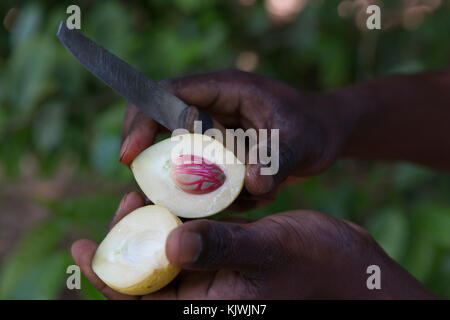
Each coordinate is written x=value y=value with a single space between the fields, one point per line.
x=257 y=183
x=189 y=285
x=218 y=92
x=82 y=252
x=212 y=245
x=263 y=179
x=167 y=293
x=130 y=202
x=196 y=285
x=141 y=135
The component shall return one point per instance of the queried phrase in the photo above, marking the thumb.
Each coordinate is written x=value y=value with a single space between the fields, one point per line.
x=260 y=178
x=212 y=245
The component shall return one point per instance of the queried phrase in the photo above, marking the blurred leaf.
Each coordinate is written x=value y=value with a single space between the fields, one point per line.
x=49 y=125
x=390 y=229
x=45 y=280
x=89 y=214
x=192 y=5
x=29 y=67
x=105 y=145
x=11 y=151
x=325 y=198
x=68 y=76
x=35 y=247
x=213 y=39
x=334 y=67
x=258 y=22
x=408 y=176
x=420 y=258
x=110 y=121
x=27 y=24
x=105 y=153
x=441 y=276
x=108 y=23
x=434 y=220
x=407 y=67
x=2 y=118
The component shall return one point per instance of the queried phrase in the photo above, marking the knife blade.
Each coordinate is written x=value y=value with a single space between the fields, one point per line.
x=148 y=96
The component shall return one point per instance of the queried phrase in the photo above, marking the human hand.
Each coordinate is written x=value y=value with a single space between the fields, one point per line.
x=311 y=133
x=290 y=255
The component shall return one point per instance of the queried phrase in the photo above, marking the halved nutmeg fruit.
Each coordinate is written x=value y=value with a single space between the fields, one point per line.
x=132 y=257
x=192 y=175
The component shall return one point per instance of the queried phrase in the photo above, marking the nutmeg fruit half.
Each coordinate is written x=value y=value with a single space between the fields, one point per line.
x=132 y=257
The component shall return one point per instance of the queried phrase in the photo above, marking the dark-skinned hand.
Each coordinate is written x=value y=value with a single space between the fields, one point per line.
x=289 y=255
x=310 y=136
x=297 y=254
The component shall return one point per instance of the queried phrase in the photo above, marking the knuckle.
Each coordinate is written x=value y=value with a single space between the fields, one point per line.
x=363 y=233
x=288 y=161
x=275 y=242
x=173 y=85
x=254 y=90
x=218 y=242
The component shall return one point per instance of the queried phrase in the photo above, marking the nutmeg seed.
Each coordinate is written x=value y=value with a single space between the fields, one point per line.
x=195 y=175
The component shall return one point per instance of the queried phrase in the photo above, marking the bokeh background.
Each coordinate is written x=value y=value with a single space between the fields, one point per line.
x=60 y=178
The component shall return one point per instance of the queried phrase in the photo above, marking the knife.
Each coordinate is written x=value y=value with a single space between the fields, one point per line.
x=148 y=96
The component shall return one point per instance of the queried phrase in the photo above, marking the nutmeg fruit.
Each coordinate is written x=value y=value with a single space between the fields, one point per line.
x=132 y=257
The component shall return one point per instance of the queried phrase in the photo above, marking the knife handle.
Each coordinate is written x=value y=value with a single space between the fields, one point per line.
x=192 y=114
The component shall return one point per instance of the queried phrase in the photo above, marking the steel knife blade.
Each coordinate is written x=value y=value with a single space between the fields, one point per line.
x=148 y=96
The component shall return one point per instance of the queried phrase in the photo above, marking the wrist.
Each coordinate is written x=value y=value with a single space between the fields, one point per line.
x=398 y=283
x=350 y=107
x=394 y=282
x=367 y=272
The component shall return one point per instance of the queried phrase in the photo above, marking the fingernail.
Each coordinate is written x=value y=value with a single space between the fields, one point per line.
x=190 y=247
x=268 y=183
x=256 y=183
x=123 y=148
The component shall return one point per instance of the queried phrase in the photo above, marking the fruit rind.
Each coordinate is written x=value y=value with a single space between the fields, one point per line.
x=154 y=282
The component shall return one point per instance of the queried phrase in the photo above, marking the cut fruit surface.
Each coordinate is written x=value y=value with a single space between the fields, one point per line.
x=195 y=175
x=132 y=259
x=192 y=175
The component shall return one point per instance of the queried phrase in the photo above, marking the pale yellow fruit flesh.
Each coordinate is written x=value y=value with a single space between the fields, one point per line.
x=132 y=259
x=155 y=281
x=152 y=171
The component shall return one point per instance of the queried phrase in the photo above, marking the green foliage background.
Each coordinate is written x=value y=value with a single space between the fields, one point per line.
x=55 y=115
